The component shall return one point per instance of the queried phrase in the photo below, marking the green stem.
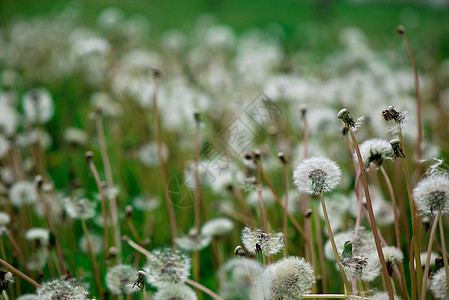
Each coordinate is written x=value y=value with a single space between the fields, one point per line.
x=443 y=245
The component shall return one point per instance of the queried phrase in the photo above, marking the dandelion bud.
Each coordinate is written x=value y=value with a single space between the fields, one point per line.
x=303 y=110
x=89 y=155
x=113 y=251
x=197 y=117
x=400 y=29
x=346 y=117
x=156 y=73
x=129 y=211
x=282 y=157
x=257 y=154
x=308 y=213
x=397 y=150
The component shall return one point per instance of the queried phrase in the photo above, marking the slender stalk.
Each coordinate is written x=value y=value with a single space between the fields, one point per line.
x=371 y=217
x=413 y=281
x=320 y=249
x=403 y=214
x=429 y=251
x=443 y=245
x=396 y=227
x=39 y=182
x=204 y=289
x=279 y=201
x=401 y=31
x=284 y=165
x=129 y=220
x=334 y=247
x=20 y=273
x=93 y=169
x=110 y=184
x=171 y=211
x=94 y=260
x=259 y=194
x=197 y=206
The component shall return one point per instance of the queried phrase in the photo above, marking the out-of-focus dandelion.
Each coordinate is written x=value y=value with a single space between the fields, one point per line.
x=258 y=242
x=167 y=266
x=61 y=289
x=38 y=106
x=80 y=208
x=175 y=291
x=217 y=227
x=194 y=241
x=120 y=279
x=23 y=193
x=374 y=152
x=39 y=236
x=432 y=194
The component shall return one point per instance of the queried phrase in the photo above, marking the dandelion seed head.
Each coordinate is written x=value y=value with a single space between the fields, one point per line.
x=383 y=296
x=432 y=194
x=80 y=208
x=75 y=136
x=148 y=154
x=167 y=266
x=29 y=297
x=267 y=198
x=423 y=257
x=256 y=241
x=38 y=106
x=4 y=218
x=438 y=285
x=316 y=175
x=289 y=278
x=392 y=254
x=40 y=236
x=194 y=241
x=4 y=146
x=146 y=203
x=119 y=279
x=23 y=193
x=174 y=291
x=374 y=152
x=237 y=278
x=217 y=227
x=61 y=290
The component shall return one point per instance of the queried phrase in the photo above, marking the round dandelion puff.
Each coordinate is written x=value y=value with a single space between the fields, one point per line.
x=289 y=278
x=120 y=279
x=256 y=241
x=40 y=236
x=62 y=290
x=175 y=292
x=374 y=152
x=432 y=194
x=29 y=297
x=438 y=285
x=383 y=296
x=4 y=218
x=38 y=106
x=194 y=241
x=23 y=193
x=316 y=175
x=217 y=227
x=392 y=256
x=167 y=266
x=80 y=209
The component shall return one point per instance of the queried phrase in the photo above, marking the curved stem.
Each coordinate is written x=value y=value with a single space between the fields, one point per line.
x=443 y=245
x=94 y=260
x=285 y=209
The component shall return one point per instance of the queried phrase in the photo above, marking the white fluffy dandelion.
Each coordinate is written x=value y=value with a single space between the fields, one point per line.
x=80 y=208
x=167 y=266
x=289 y=278
x=23 y=193
x=75 y=136
x=148 y=154
x=316 y=175
x=432 y=194
x=120 y=279
x=4 y=218
x=217 y=227
x=383 y=296
x=40 y=236
x=438 y=285
x=374 y=152
x=61 y=289
x=194 y=241
x=38 y=106
x=256 y=241
x=175 y=291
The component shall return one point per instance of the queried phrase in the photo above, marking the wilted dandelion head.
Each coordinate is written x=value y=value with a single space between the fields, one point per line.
x=39 y=236
x=38 y=106
x=80 y=208
x=432 y=194
x=316 y=175
x=120 y=279
x=289 y=278
x=398 y=117
x=23 y=193
x=167 y=266
x=6 y=278
x=61 y=290
x=237 y=278
x=194 y=241
x=374 y=151
x=175 y=291
x=349 y=120
x=217 y=227
x=438 y=285
x=4 y=218
x=258 y=242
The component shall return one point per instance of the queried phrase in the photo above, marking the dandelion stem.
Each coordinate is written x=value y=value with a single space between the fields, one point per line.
x=443 y=245
x=39 y=182
x=429 y=251
x=204 y=289
x=418 y=103
x=284 y=165
x=90 y=162
x=334 y=247
x=19 y=273
x=171 y=212
x=110 y=184
x=259 y=194
x=197 y=206
x=318 y=234
x=371 y=216
x=330 y=296
x=94 y=260
x=279 y=201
